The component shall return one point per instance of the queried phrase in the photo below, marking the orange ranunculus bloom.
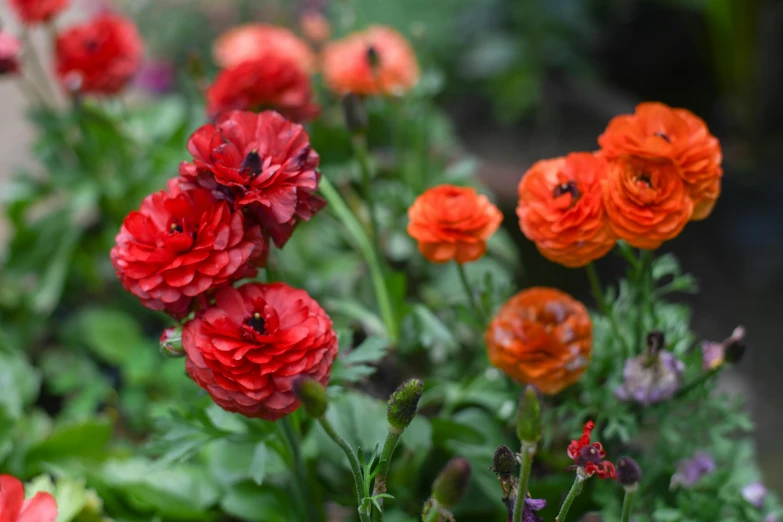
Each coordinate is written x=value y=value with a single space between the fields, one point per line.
x=658 y=131
x=561 y=209
x=646 y=200
x=376 y=61
x=541 y=336
x=254 y=41
x=452 y=222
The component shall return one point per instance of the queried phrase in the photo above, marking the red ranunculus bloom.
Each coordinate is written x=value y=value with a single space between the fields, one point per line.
x=262 y=163
x=249 y=349
x=269 y=82
x=14 y=508
x=100 y=56
x=589 y=456
x=10 y=47
x=35 y=11
x=180 y=244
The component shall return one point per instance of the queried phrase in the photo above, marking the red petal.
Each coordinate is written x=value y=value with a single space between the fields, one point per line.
x=11 y=498
x=41 y=508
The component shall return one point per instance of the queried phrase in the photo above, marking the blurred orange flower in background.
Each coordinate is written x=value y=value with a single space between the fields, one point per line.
x=541 y=336
x=315 y=26
x=656 y=131
x=376 y=61
x=451 y=222
x=255 y=41
x=561 y=209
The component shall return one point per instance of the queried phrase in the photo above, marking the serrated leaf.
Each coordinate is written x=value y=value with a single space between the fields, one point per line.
x=372 y=349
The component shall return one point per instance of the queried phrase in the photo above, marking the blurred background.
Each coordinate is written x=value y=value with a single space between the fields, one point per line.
x=530 y=79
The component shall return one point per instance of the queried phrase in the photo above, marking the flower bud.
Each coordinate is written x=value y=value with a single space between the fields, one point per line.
x=451 y=484
x=529 y=416
x=735 y=349
x=628 y=472
x=403 y=403
x=504 y=462
x=171 y=343
x=656 y=342
x=354 y=112
x=313 y=396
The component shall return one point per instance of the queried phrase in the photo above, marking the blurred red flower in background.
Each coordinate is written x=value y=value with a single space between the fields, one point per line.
x=263 y=164
x=34 y=11
x=255 y=41
x=14 y=508
x=10 y=47
x=99 y=56
x=249 y=349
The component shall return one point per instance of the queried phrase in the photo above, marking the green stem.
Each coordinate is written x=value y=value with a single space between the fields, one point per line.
x=434 y=513
x=627 y=503
x=340 y=209
x=598 y=294
x=363 y=157
x=463 y=277
x=524 y=477
x=35 y=61
x=383 y=468
x=646 y=311
x=701 y=379
x=356 y=469
x=301 y=483
x=576 y=489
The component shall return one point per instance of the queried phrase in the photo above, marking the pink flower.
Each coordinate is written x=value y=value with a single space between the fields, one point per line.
x=14 y=508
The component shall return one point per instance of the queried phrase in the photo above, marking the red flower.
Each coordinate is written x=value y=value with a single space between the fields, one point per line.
x=100 y=56
x=252 y=41
x=249 y=349
x=261 y=163
x=14 y=508
x=181 y=244
x=10 y=47
x=34 y=11
x=268 y=82
x=588 y=456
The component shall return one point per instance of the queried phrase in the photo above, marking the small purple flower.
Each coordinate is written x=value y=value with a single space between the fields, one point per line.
x=729 y=350
x=156 y=77
x=690 y=471
x=754 y=494
x=650 y=378
x=772 y=517
x=531 y=506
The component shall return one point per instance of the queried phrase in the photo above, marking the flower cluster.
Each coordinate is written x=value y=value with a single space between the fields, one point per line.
x=656 y=170
x=251 y=180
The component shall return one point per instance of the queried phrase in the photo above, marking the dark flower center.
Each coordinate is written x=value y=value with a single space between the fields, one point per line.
x=663 y=137
x=588 y=454
x=91 y=45
x=373 y=58
x=175 y=227
x=569 y=187
x=252 y=164
x=256 y=323
x=645 y=178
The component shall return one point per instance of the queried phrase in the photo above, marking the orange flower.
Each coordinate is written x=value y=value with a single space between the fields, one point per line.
x=646 y=200
x=452 y=223
x=658 y=131
x=254 y=41
x=541 y=336
x=315 y=26
x=561 y=210
x=376 y=61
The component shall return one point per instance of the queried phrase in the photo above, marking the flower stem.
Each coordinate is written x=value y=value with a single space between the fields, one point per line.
x=524 y=477
x=576 y=489
x=463 y=277
x=363 y=157
x=598 y=294
x=434 y=513
x=627 y=502
x=365 y=247
x=646 y=311
x=356 y=469
x=302 y=486
x=383 y=468
x=698 y=381
x=36 y=63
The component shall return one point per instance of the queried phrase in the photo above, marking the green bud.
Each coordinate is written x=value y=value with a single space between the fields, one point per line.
x=529 y=416
x=403 y=403
x=451 y=484
x=355 y=114
x=171 y=342
x=312 y=395
x=504 y=462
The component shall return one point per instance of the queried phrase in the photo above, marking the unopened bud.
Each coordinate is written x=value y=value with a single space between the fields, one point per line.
x=355 y=113
x=171 y=343
x=451 y=484
x=628 y=472
x=529 y=416
x=504 y=462
x=403 y=404
x=313 y=396
x=656 y=342
x=735 y=346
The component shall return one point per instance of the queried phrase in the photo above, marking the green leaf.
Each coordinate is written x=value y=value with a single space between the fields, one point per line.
x=85 y=441
x=19 y=383
x=258 y=463
x=373 y=349
x=247 y=501
x=113 y=335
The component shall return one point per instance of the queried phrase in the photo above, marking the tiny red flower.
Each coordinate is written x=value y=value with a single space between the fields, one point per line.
x=42 y=507
x=589 y=456
x=10 y=47
x=35 y=11
x=261 y=163
x=180 y=244
x=249 y=349
x=271 y=81
x=100 y=56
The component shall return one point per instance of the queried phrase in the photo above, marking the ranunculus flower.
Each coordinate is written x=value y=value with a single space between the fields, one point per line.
x=378 y=60
x=646 y=200
x=541 y=336
x=99 y=56
x=588 y=456
x=10 y=47
x=657 y=131
x=262 y=164
x=254 y=41
x=451 y=222
x=182 y=243
x=14 y=508
x=271 y=81
x=561 y=209
x=249 y=349
x=36 y=11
